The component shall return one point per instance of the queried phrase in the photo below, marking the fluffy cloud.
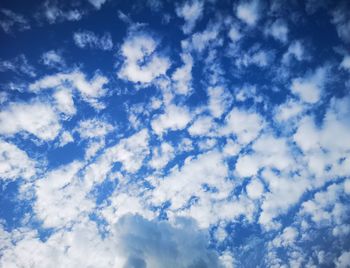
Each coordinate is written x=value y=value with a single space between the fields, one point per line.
x=310 y=88
x=191 y=12
x=93 y=128
x=248 y=12
x=14 y=163
x=183 y=76
x=76 y=80
x=174 y=118
x=88 y=39
x=133 y=242
x=245 y=125
x=53 y=59
x=141 y=62
x=36 y=118
x=219 y=100
x=278 y=30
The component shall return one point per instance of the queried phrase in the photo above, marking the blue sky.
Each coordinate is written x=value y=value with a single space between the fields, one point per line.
x=175 y=133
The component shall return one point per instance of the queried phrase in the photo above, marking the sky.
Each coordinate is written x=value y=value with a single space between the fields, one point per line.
x=180 y=134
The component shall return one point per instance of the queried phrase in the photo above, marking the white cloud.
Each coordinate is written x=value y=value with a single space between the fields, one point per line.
x=65 y=138
x=53 y=59
x=255 y=189
x=288 y=110
x=183 y=76
x=295 y=50
x=141 y=61
x=177 y=188
x=75 y=80
x=201 y=126
x=245 y=125
x=343 y=260
x=345 y=64
x=93 y=128
x=219 y=100
x=201 y=40
x=248 y=12
x=61 y=196
x=340 y=18
x=310 y=87
x=13 y=20
x=35 y=118
x=88 y=39
x=54 y=13
x=64 y=102
x=191 y=12
x=14 y=163
x=162 y=155
x=132 y=242
x=268 y=151
x=234 y=34
x=19 y=65
x=278 y=30
x=174 y=118
x=97 y=3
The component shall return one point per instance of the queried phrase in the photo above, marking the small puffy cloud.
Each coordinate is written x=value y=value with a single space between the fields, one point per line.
x=255 y=189
x=201 y=126
x=345 y=64
x=174 y=118
x=219 y=101
x=133 y=241
x=36 y=118
x=286 y=238
x=162 y=155
x=341 y=20
x=130 y=151
x=14 y=163
x=183 y=75
x=93 y=128
x=201 y=40
x=64 y=102
x=234 y=34
x=61 y=196
x=18 y=65
x=310 y=87
x=53 y=59
x=97 y=3
x=343 y=260
x=10 y=20
x=141 y=61
x=278 y=30
x=191 y=12
x=53 y=12
x=245 y=125
x=248 y=12
x=65 y=138
x=90 y=90
x=295 y=50
x=88 y=39
x=288 y=110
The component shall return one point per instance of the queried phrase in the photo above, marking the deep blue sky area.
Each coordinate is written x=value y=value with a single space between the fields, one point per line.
x=190 y=133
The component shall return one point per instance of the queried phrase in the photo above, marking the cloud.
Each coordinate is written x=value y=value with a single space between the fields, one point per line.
x=183 y=76
x=75 y=80
x=88 y=39
x=93 y=128
x=191 y=12
x=295 y=50
x=53 y=59
x=64 y=102
x=15 y=163
x=340 y=18
x=345 y=64
x=53 y=12
x=278 y=30
x=245 y=125
x=141 y=62
x=19 y=65
x=36 y=118
x=310 y=87
x=162 y=155
x=97 y=3
x=219 y=101
x=132 y=242
x=174 y=118
x=248 y=12
x=11 y=20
